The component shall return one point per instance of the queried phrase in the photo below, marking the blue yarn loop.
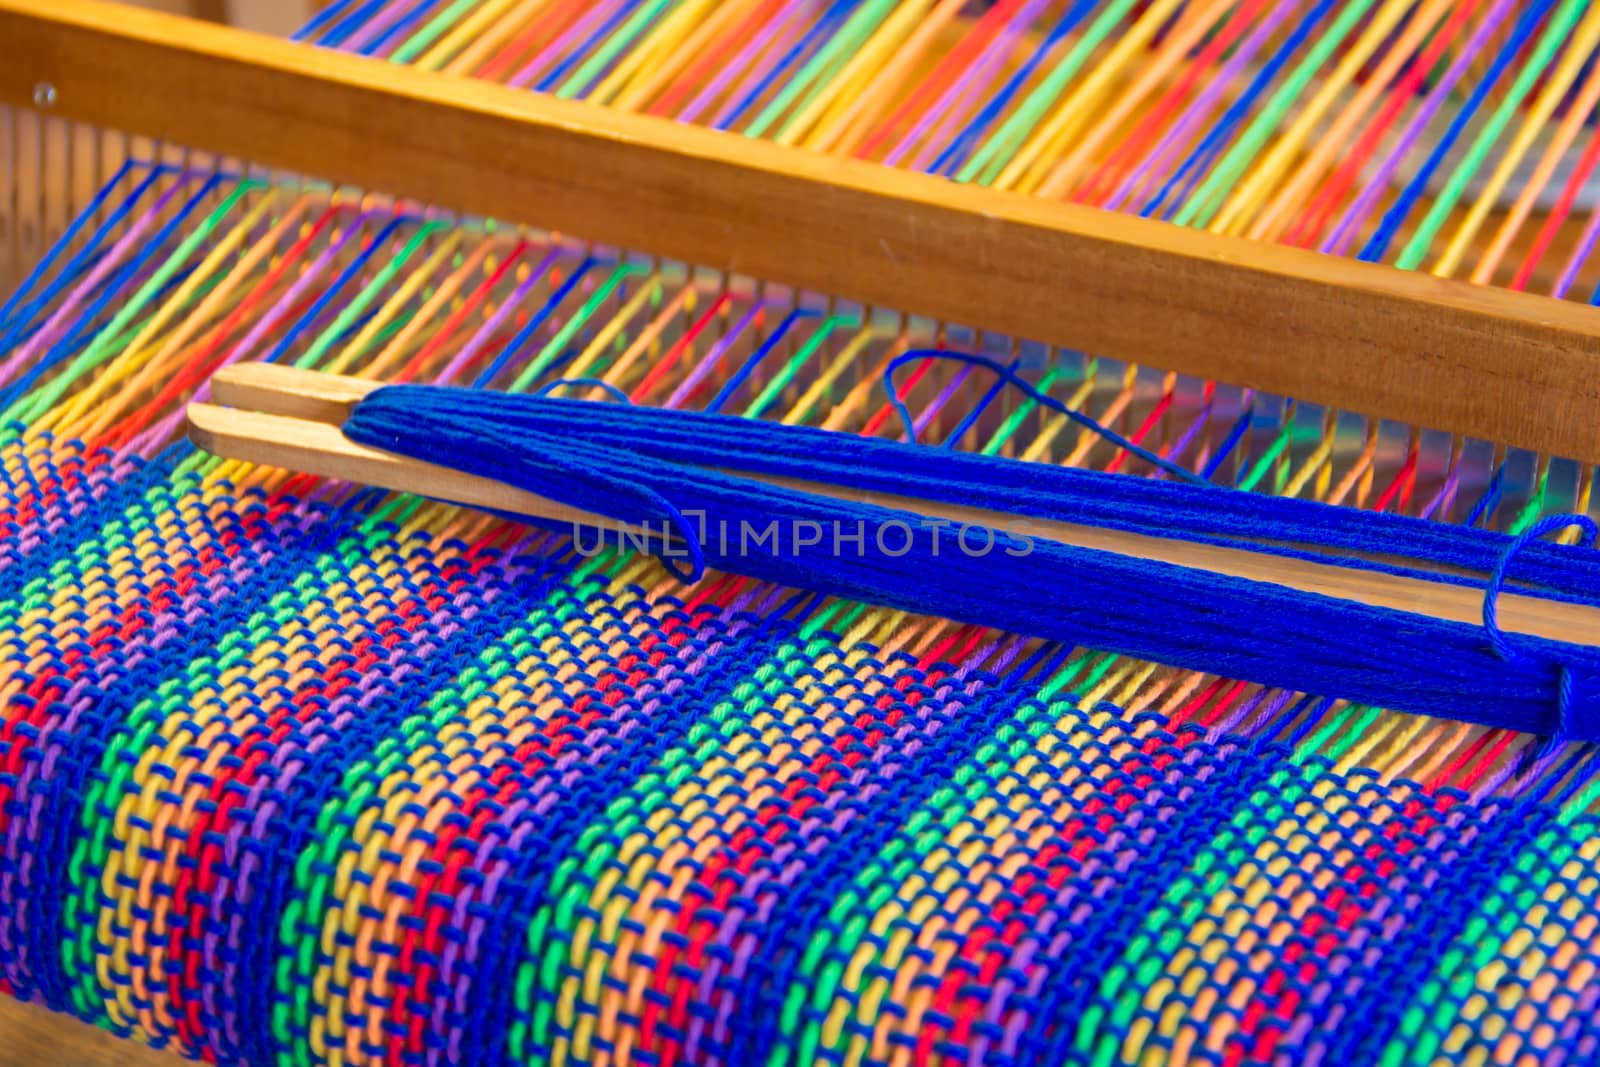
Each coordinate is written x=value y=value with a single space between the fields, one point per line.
x=1491 y=594
x=553 y=387
x=692 y=479
x=1009 y=376
x=1577 y=685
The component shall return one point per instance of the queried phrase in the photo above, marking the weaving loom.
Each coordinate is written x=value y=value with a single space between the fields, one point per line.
x=295 y=771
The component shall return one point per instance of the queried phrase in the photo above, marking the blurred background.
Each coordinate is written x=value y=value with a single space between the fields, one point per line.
x=281 y=17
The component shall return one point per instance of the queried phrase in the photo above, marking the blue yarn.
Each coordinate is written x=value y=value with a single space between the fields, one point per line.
x=1271 y=525
x=1043 y=399
x=1491 y=594
x=656 y=469
x=580 y=383
x=736 y=380
x=645 y=467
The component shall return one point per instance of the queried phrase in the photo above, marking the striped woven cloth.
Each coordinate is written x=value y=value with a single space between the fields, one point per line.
x=280 y=787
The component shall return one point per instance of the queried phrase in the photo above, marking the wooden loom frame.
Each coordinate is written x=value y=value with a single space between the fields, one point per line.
x=1513 y=368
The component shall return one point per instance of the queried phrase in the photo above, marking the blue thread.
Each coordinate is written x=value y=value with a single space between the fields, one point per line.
x=340 y=31
x=812 y=40
x=1236 y=434
x=1491 y=593
x=296 y=332
x=737 y=379
x=554 y=76
x=63 y=349
x=402 y=26
x=66 y=240
x=1038 y=396
x=1487 y=504
x=550 y=388
x=650 y=468
x=320 y=20
x=1199 y=161
x=970 y=419
x=525 y=334
x=1379 y=243
x=956 y=153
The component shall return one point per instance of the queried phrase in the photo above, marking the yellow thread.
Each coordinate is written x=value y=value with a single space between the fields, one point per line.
x=1174 y=51
x=1295 y=193
x=1021 y=174
x=1578 y=52
x=1270 y=167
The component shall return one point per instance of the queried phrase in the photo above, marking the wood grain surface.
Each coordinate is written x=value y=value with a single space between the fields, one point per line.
x=30 y=1036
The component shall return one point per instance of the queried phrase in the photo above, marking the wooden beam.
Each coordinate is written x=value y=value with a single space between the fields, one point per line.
x=1509 y=367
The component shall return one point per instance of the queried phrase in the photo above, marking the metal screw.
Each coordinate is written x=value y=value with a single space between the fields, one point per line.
x=44 y=95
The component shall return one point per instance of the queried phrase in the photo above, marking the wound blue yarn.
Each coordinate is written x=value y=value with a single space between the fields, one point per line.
x=1577 y=685
x=687 y=477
